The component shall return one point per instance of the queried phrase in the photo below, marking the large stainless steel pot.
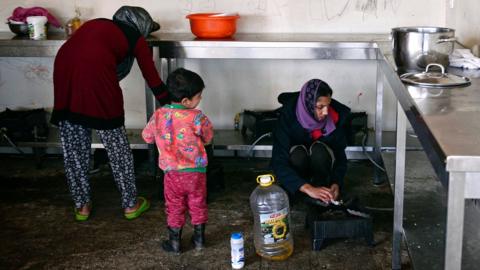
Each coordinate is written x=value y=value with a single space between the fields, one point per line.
x=416 y=47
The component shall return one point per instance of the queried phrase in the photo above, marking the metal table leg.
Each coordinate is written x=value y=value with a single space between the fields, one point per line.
x=150 y=105
x=399 y=188
x=455 y=216
x=379 y=176
x=166 y=66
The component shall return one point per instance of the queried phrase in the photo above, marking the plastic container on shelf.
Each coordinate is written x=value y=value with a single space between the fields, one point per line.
x=272 y=233
x=237 y=250
x=37 y=27
x=213 y=25
x=236 y=121
x=74 y=23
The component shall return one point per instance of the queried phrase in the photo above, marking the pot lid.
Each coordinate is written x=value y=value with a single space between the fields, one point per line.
x=434 y=78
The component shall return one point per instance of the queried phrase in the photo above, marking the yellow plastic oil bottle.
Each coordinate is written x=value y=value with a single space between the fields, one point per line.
x=273 y=237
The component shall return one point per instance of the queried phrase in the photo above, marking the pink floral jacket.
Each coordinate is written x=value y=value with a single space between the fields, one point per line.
x=180 y=135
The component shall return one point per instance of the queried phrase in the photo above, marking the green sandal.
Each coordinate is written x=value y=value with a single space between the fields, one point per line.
x=143 y=207
x=79 y=216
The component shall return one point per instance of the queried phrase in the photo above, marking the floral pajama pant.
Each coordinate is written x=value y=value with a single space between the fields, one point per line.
x=185 y=190
x=76 y=144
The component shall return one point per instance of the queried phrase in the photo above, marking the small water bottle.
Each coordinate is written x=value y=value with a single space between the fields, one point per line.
x=238 y=254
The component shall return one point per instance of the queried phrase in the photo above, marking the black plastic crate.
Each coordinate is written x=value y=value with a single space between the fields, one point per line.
x=322 y=229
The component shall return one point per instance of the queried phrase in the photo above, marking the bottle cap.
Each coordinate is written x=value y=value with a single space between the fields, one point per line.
x=265 y=180
x=237 y=235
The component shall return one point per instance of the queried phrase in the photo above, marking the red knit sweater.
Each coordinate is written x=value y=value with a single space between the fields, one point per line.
x=86 y=87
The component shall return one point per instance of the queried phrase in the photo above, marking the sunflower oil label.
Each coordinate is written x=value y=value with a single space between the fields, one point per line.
x=274 y=225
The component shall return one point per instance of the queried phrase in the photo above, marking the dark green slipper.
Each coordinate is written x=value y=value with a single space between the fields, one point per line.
x=143 y=207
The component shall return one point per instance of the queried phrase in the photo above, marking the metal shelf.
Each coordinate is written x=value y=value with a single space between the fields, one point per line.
x=224 y=139
x=53 y=140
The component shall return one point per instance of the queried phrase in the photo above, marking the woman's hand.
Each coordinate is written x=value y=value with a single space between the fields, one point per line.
x=321 y=193
x=335 y=191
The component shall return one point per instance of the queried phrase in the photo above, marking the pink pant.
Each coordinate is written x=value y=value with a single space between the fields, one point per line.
x=184 y=190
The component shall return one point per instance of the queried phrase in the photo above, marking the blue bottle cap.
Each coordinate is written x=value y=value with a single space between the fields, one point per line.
x=237 y=235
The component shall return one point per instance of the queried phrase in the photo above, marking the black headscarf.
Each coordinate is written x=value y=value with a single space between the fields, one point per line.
x=138 y=19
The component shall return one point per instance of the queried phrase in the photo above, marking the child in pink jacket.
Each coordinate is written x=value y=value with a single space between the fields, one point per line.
x=180 y=132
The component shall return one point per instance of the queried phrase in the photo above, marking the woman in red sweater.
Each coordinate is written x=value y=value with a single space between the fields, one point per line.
x=87 y=95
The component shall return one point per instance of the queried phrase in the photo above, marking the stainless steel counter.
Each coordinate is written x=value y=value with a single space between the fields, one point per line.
x=14 y=46
x=446 y=122
x=272 y=46
x=246 y=46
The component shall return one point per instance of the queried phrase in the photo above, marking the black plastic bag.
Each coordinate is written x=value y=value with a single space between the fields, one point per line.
x=138 y=19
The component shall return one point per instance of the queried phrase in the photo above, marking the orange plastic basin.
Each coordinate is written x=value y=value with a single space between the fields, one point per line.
x=204 y=25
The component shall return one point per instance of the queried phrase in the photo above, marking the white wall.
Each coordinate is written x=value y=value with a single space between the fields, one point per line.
x=234 y=85
x=463 y=16
x=262 y=15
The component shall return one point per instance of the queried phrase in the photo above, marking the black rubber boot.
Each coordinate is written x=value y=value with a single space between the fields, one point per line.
x=174 y=240
x=198 y=237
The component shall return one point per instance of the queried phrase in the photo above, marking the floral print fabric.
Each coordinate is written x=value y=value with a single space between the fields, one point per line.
x=76 y=144
x=180 y=135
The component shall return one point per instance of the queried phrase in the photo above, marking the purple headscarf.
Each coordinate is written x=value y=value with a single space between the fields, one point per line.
x=306 y=108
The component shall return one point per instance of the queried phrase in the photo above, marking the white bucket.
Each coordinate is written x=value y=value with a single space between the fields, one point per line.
x=37 y=27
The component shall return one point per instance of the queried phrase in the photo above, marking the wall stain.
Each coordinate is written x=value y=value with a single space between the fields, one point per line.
x=333 y=9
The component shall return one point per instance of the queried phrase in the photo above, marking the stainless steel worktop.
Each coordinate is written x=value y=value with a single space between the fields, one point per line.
x=446 y=123
x=452 y=114
x=446 y=120
x=292 y=46
x=22 y=46
x=453 y=117
x=273 y=46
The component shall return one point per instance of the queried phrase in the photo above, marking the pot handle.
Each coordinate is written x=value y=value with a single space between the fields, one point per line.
x=443 y=40
x=436 y=65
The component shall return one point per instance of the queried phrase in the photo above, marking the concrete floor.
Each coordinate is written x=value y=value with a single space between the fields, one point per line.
x=38 y=231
